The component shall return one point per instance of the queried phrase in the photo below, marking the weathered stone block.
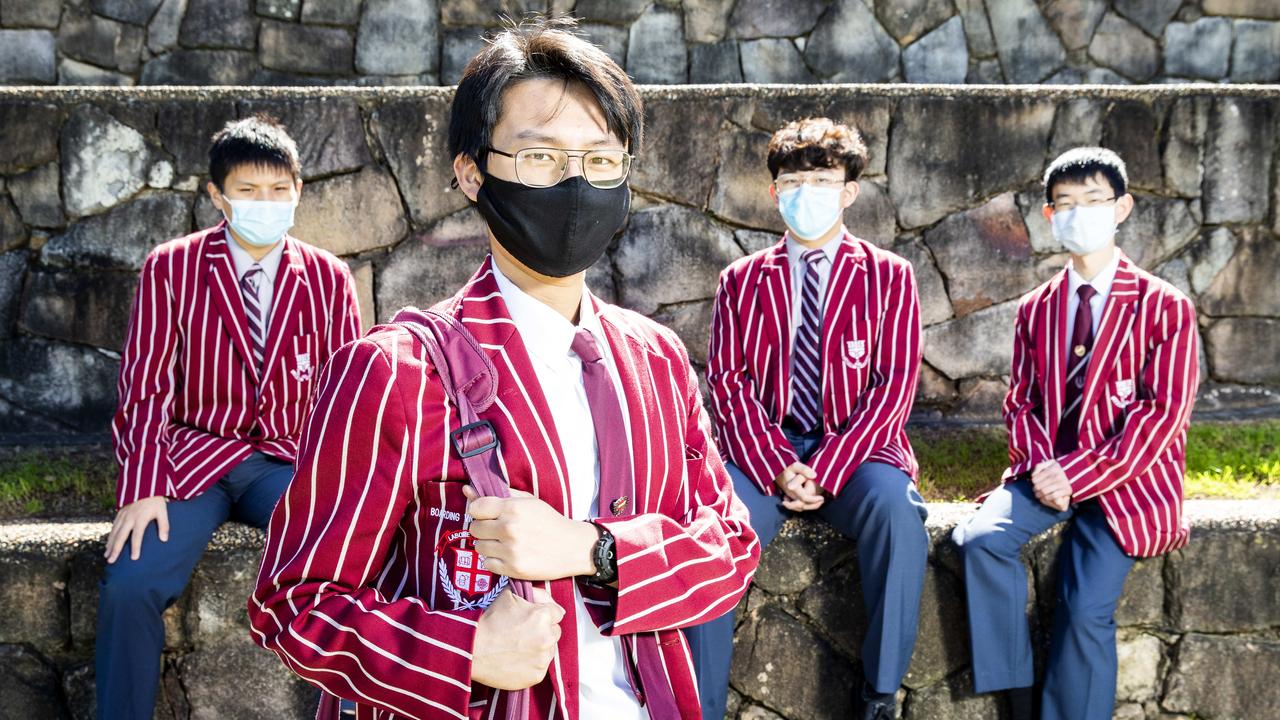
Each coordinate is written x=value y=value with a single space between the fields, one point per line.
x=28 y=138
x=741 y=190
x=87 y=567
x=788 y=567
x=909 y=20
x=278 y=9
x=100 y=41
x=487 y=12
x=994 y=231
x=953 y=699
x=774 y=18
x=236 y=679
x=1077 y=122
x=773 y=60
x=1138 y=677
x=398 y=37
x=218 y=24
x=1255 y=52
x=996 y=146
x=706 y=21
x=200 y=67
x=305 y=49
x=935 y=306
x=613 y=12
x=1028 y=49
x=162 y=32
x=1075 y=20
x=978 y=400
x=980 y=343
x=872 y=216
x=1223 y=580
x=977 y=29
x=1224 y=677
x=1142 y=602
x=610 y=38
x=459 y=47
x=874 y=58
x=121 y=238
x=136 y=12
x=942 y=56
x=412 y=132
x=1121 y=46
x=1156 y=229
x=711 y=63
x=1132 y=130
x=225 y=576
x=73 y=72
x=1246 y=285
x=432 y=266
x=1245 y=350
x=1262 y=9
x=27 y=57
x=660 y=238
x=1236 y=176
x=1200 y=49
x=656 y=51
x=1207 y=257
x=28 y=686
x=351 y=213
x=691 y=321
x=781 y=663
x=31 y=13
x=33 y=590
x=87 y=309
x=103 y=161
x=331 y=12
x=329 y=132
x=13 y=233
x=1150 y=15
x=1184 y=145
x=942 y=640
x=13 y=268
x=73 y=384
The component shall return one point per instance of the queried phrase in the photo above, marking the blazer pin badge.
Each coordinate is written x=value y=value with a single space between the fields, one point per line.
x=618 y=506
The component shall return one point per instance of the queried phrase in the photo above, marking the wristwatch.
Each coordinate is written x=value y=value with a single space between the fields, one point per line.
x=605 y=560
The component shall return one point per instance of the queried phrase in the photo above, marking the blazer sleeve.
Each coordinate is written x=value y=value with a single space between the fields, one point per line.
x=885 y=403
x=1029 y=442
x=315 y=605
x=1156 y=419
x=344 y=323
x=750 y=439
x=140 y=427
x=676 y=572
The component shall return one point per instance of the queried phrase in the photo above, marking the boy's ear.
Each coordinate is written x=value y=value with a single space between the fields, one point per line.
x=467 y=175
x=1047 y=211
x=849 y=193
x=214 y=195
x=1124 y=206
x=773 y=193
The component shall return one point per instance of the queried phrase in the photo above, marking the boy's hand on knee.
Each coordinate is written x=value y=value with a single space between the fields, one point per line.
x=800 y=491
x=131 y=524
x=1052 y=488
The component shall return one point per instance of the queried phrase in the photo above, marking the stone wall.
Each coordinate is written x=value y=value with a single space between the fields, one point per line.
x=90 y=180
x=1199 y=629
x=427 y=42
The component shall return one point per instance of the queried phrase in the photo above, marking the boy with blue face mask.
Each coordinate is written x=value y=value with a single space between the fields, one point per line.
x=229 y=328
x=815 y=352
x=1103 y=380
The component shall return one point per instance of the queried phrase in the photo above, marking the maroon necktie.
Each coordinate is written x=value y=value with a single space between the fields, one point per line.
x=611 y=432
x=1078 y=355
x=253 y=278
x=806 y=357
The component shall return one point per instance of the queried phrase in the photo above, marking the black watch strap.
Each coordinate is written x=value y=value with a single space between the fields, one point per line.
x=605 y=559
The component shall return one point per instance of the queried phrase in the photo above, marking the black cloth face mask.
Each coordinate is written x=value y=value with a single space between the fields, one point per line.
x=556 y=231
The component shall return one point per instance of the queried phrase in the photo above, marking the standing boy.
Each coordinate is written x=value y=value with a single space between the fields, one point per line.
x=1104 y=375
x=815 y=352
x=229 y=328
x=384 y=574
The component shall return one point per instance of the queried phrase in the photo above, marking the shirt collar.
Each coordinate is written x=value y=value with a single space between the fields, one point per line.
x=546 y=333
x=796 y=251
x=1100 y=282
x=240 y=257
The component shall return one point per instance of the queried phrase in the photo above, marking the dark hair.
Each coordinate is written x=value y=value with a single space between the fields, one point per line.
x=1080 y=164
x=817 y=143
x=259 y=140
x=539 y=48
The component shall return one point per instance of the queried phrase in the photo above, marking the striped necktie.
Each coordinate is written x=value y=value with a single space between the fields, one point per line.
x=1078 y=355
x=806 y=357
x=249 y=286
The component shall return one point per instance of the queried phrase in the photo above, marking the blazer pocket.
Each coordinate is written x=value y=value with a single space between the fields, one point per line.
x=300 y=362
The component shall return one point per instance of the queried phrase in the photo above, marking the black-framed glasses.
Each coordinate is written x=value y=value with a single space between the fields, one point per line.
x=1088 y=202
x=543 y=167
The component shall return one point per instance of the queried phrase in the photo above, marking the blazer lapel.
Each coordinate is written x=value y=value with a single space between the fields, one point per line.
x=1117 y=321
x=290 y=293
x=1051 y=354
x=838 y=310
x=226 y=297
x=777 y=299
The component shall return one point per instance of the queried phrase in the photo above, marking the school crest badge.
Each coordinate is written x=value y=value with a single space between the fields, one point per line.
x=301 y=367
x=462 y=575
x=1123 y=394
x=855 y=354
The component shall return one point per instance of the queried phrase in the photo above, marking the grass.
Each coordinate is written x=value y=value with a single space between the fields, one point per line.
x=1235 y=460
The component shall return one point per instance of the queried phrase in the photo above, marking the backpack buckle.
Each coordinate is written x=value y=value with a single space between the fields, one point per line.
x=465 y=443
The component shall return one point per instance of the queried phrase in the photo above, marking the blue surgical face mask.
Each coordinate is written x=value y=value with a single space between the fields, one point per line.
x=810 y=211
x=1083 y=230
x=261 y=223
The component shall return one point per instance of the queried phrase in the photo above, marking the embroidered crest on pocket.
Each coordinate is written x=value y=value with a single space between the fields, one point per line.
x=855 y=354
x=464 y=579
x=1122 y=393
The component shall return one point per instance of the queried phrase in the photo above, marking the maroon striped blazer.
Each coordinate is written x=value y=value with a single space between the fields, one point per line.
x=368 y=586
x=1139 y=389
x=870 y=363
x=192 y=404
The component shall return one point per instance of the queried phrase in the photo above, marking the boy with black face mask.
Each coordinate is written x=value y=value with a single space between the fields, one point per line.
x=385 y=577
x=1103 y=379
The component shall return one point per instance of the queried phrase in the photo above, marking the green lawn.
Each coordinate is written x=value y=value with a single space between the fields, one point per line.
x=1238 y=460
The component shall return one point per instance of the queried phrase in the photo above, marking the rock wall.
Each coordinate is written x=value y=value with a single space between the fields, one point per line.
x=91 y=180
x=427 y=42
x=1198 y=629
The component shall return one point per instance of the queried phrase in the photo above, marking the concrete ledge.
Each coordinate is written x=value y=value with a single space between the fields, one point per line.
x=1199 y=629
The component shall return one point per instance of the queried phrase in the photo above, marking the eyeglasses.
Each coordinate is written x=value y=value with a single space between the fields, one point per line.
x=1088 y=202
x=793 y=181
x=544 y=167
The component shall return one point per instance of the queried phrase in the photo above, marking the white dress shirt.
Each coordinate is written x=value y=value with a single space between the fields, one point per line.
x=604 y=691
x=270 y=266
x=798 y=267
x=1101 y=283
